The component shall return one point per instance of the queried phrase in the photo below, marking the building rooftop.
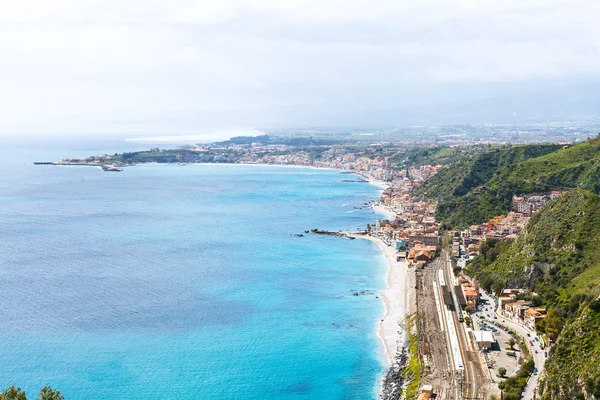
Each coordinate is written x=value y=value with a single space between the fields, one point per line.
x=483 y=336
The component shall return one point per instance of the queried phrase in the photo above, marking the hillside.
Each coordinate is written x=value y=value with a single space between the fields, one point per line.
x=471 y=172
x=473 y=191
x=436 y=155
x=557 y=256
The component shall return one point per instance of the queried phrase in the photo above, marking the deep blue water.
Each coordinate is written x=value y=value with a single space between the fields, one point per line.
x=171 y=282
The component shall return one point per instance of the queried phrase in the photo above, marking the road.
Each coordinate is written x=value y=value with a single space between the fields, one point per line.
x=539 y=358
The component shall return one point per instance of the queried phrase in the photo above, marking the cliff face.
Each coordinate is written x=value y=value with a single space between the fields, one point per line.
x=557 y=256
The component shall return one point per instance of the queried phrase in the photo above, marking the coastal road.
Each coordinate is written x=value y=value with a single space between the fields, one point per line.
x=539 y=357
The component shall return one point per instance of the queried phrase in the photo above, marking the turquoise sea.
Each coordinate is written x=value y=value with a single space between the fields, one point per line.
x=184 y=282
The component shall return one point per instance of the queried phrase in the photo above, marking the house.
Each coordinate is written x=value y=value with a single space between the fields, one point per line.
x=423 y=255
x=426 y=392
x=520 y=205
x=555 y=193
x=483 y=339
x=427 y=239
x=533 y=315
x=471 y=294
x=516 y=310
x=504 y=300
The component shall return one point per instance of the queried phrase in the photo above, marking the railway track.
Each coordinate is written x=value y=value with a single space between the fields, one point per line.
x=473 y=381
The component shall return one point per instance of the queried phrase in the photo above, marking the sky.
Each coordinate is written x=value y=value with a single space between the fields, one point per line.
x=180 y=67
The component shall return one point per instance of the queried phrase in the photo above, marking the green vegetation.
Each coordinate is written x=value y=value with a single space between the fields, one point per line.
x=576 y=354
x=162 y=156
x=16 y=393
x=437 y=155
x=513 y=387
x=557 y=256
x=471 y=172
x=476 y=189
x=413 y=369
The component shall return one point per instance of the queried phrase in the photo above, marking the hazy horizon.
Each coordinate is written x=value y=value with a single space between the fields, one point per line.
x=179 y=68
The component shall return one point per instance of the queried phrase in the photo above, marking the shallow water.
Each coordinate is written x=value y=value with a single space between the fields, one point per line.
x=185 y=282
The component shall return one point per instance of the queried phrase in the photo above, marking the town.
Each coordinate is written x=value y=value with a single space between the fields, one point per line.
x=476 y=339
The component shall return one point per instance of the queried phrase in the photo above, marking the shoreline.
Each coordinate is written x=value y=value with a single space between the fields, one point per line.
x=391 y=329
x=381 y=184
x=382 y=210
x=397 y=297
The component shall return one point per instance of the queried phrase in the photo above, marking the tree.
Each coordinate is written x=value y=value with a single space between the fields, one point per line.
x=497 y=286
x=554 y=324
x=47 y=393
x=13 y=393
x=16 y=393
x=501 y=372
x=512 y=342
x=511 y=396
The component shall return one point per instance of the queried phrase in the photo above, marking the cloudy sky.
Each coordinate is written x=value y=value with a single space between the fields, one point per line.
x=180 y=66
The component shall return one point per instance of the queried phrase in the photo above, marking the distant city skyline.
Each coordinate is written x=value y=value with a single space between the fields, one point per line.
x=198 y=67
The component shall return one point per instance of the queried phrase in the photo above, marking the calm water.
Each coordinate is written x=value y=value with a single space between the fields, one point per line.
x=171 y=282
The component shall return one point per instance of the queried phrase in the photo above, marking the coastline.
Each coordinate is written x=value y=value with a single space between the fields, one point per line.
x=391 y=329
x=397 y=297
x=382 y=210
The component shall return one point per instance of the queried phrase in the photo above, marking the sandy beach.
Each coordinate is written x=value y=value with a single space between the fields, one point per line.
x=385 y=211
x=391 y=327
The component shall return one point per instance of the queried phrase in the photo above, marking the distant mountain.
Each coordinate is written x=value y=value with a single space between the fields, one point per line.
x=523 y=104
x=460 y=103
x=557 y=256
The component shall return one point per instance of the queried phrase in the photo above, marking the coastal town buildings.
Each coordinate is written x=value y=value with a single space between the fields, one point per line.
x=500 y=227
x=519 y=310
